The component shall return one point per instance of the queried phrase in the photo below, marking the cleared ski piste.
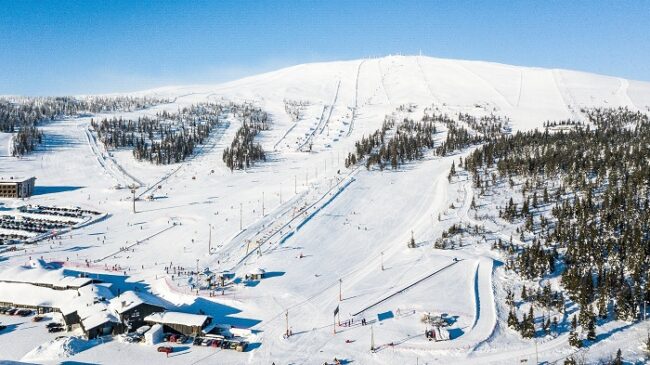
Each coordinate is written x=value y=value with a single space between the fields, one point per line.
x=342 y=237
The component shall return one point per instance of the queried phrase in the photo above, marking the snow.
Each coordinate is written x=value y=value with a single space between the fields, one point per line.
x=256 y=271
x=170 y=317
x=35 y=273
x=155 y=335
x=319 y=226
x=57 y=349
x=131 y=299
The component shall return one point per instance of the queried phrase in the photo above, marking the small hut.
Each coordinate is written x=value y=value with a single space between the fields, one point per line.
x=256 y=274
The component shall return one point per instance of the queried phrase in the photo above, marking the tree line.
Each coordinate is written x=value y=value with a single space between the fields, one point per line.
x=407 y=142
x=164 y=138
x=584 y=212
x=244 y=152
x=23 y=115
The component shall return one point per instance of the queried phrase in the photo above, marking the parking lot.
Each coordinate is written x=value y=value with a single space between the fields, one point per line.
x=31 y=223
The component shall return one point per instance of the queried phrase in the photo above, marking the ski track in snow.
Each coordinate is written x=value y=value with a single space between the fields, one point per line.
x=294 y=224
x=355 y=108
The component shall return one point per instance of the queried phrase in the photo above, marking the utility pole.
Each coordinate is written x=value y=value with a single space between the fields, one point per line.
x=340 y=290
x=210 y=239
x=241 y=213
x=197 y=276
x=372 y=339
x=133 y=196
x=338 y=317
x=287 y=317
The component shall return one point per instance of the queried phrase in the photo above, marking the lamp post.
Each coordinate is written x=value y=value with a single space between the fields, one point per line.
x=210 y=239
x=133 y=188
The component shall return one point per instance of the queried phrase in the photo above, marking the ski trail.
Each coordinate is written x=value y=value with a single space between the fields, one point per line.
x=331 y=108
x=322 y=119
x=564 y=93
x=486 y=83
x=622 y=93
x=521 y=85
x=374 y=304
x=107 y=164
x=382 y=76
x=426 y=81
x=477 y=298
x=286 y=133
x=200 y=151
x=356 y=100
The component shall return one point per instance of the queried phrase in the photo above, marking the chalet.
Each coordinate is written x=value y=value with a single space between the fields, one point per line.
x=184 y=323
x=43 y=289
x=132 y=307
x=100 y=324
x=38 y=274
x=17 y=187
x=256 y=274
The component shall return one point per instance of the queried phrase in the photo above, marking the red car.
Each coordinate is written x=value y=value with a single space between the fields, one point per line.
x=166 y=349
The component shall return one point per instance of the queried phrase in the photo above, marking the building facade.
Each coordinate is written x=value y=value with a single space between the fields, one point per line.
x=17 y=188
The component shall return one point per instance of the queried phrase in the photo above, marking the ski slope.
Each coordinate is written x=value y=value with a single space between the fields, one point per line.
x=311 y=223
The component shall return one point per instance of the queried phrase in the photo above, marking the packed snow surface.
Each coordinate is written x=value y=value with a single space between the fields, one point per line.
x=326 y=236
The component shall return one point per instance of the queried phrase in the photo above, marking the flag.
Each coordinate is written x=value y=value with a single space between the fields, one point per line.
x=336 y=310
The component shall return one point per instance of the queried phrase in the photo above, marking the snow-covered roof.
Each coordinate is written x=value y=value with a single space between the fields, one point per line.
x=88 y=297
x=83 y=301
x=257 y=271
x=38 y=273
x=170 y=317
x=131 y=299
x=37 y=296
x=15 y=179
x=99 y=318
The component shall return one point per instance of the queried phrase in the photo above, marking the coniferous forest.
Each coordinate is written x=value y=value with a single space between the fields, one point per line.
x=584 y=213
x=244 y=151
x=22 y=116
x=164 y=138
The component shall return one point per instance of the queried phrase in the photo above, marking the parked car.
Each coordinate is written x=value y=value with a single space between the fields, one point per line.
x=241 y=347
x=166 y=349
x=24 y=312
x=197 y=341
x=37 y=318
x=11 y=311
x=53 y=324
x=142 y=330
x=55 y=329
x=181 y=339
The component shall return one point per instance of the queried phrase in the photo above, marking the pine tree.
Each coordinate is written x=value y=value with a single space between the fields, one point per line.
x=618 y=360
x=574 y=340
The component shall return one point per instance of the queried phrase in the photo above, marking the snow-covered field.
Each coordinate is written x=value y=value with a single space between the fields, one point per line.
x=319 y=226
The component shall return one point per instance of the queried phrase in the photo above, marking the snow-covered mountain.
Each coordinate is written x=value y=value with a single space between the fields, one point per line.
x=328 y=236
x=528 y=95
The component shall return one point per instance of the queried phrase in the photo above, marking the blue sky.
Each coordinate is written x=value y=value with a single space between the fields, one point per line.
x=71 y=47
